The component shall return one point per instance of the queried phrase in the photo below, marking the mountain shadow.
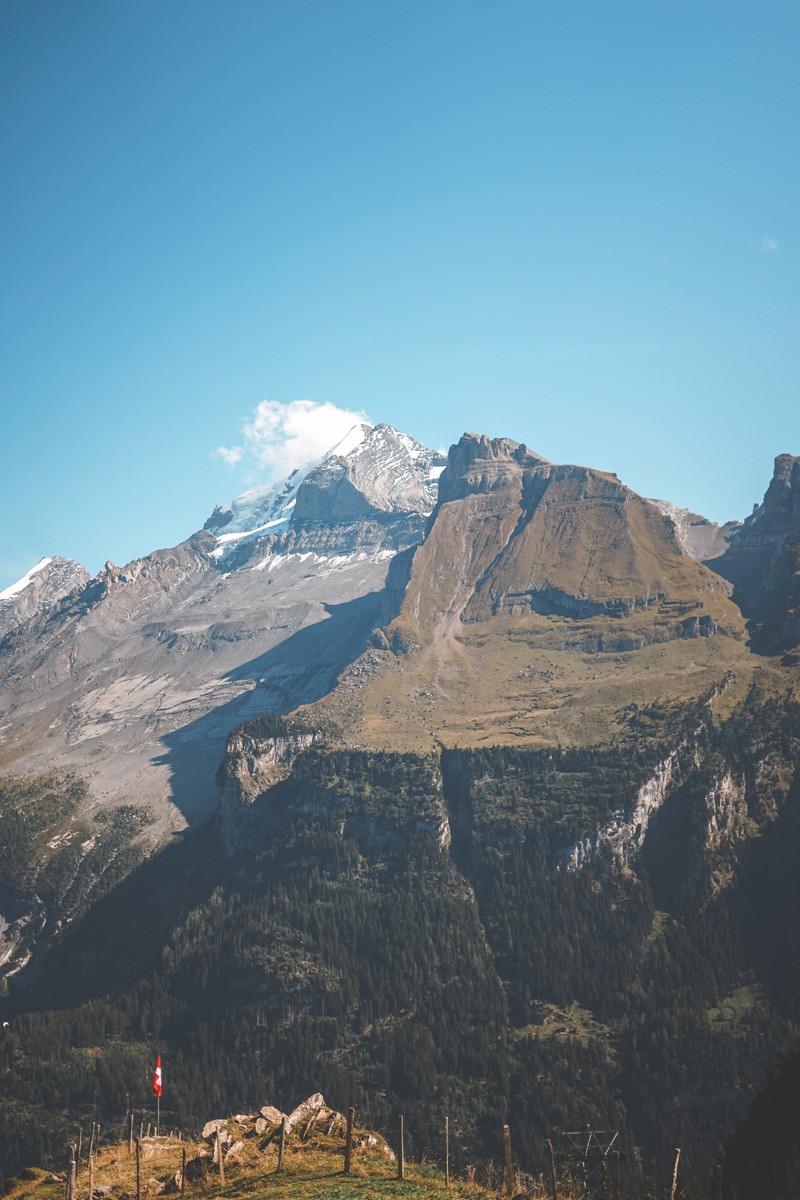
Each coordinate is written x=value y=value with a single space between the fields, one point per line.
x=121 y=937
x=299 y=670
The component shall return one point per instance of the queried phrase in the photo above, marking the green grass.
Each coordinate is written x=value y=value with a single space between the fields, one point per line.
x=733 y=1013
x=573 y=1022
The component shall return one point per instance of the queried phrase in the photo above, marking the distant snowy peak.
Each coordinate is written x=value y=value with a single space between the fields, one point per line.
x=385 y=472
x=373 y=473
x=39 y=590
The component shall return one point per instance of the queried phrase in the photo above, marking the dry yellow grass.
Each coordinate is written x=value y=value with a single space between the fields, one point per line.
x=313 y=1172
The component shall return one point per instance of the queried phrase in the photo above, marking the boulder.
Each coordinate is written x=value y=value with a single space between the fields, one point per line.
x=312 y=1113
x=211 y=1127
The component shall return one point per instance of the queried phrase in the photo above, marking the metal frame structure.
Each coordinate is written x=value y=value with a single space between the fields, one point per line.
x=587 y=1154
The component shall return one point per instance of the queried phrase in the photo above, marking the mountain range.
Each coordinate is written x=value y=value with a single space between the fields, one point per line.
x=541 y=728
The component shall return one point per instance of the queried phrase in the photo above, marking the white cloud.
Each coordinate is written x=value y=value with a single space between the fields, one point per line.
x=278 y=437
x=768 y=243
x=230 y=455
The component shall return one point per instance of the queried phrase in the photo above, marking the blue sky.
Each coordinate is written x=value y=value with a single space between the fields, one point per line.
x=570 y=223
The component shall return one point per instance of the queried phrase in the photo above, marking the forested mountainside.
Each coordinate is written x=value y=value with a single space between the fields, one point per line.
x=521 y=848
x=763 y=1155
x=551 y=938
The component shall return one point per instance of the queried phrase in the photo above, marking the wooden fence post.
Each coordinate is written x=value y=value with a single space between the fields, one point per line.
x=221 y=1162
x=91 y=1177
x=447 y=1152
x=348 y=1140
x=508 y=1180
x=675 y=1173
x=130 y=1135
x=282 y=1144
x=70 y=1166
x=551 y=1160
x=617 y=1161
x=183 y=1173
x=138 y=1169
x=401 y=1149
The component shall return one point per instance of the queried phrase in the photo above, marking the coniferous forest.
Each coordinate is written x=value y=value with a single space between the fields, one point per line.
x=413 y=935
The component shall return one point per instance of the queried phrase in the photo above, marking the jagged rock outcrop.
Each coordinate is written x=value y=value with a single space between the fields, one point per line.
x=762 y=562
x=312 y=1118
x=251 y=766
x=387 y=473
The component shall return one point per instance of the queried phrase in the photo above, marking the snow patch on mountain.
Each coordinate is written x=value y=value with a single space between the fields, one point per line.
x=15 y=588
x=273 y=562
x=268 y=509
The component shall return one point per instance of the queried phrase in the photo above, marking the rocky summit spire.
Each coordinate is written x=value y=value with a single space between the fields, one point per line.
x=762 y=562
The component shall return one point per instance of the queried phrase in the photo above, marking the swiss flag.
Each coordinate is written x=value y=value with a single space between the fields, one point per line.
x=157 y=1078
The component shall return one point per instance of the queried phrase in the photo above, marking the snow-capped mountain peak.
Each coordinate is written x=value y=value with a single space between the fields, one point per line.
x=374 y=473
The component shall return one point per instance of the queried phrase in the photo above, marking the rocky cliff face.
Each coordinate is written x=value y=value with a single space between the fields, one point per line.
x=40 y=591
x=624 y=834
x=251 y=767
x=762 y=562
